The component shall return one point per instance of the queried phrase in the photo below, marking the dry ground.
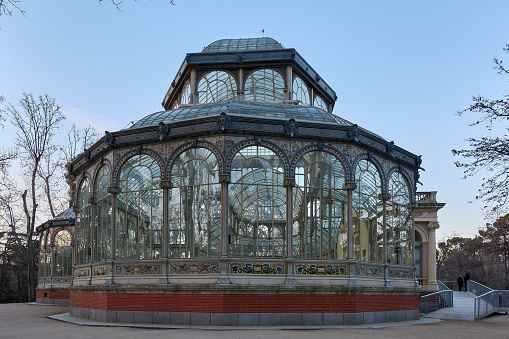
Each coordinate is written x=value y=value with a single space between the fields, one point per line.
x=30 y=321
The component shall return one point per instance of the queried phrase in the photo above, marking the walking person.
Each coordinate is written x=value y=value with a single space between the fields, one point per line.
x=459 y=280
x=466 y=278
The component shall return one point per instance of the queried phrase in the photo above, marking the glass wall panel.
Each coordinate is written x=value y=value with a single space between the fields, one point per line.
x=319 y=208
x=368 y=232
x=185 y=98
x=83 y=224
x=318 y=102
x=195 y=206
x=418 y=255
x=257 y=204
x=139 y=210
x=399 y=222
x=44 y=256
x=217 y=86
x=102 y=222
x=63 y=254
x=300 y=91
x=264 y=85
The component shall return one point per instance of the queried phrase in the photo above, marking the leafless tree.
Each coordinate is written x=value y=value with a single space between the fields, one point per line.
x=36 y=123
x=8 y=6
x=490 y=154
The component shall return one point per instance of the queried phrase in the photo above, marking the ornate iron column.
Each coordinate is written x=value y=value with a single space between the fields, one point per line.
x=113 y=191
x=289 y=184
x=224 y=179
x=385 y=197
x=165 y=186
x=350 y=187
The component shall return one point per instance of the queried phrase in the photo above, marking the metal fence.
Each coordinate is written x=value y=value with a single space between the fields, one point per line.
x=491 y=302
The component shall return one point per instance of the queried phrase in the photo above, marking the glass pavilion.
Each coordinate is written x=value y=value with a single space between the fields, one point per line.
x=245 y=180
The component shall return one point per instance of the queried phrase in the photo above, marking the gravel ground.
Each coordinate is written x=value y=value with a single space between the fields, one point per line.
x=30 y=321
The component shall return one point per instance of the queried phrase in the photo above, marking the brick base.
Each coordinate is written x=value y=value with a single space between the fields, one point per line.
x=248 y=307
x=53 y=296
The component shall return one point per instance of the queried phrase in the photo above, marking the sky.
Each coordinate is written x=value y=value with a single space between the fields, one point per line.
x=401 y=69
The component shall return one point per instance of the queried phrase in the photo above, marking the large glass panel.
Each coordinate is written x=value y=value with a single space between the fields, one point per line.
x=300 y=91
x=217 y=86
x=195 y=206
x=83 y=224
x=102 y=222
x=399 y=222
x=139 y=210
x=186 y=94
x=368 y=229
x=63 y=254
x=44 y=256
x=319 y=208
x=318 y=102
x=257 y=204
x=264 y=85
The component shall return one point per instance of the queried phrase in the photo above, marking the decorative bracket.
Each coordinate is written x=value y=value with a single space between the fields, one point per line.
x=291 y=127
x=163 y=130
x=223 y=122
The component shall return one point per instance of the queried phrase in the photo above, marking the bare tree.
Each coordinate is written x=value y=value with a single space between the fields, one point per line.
x=36 y=124
x=490 y=153
x=7 y=6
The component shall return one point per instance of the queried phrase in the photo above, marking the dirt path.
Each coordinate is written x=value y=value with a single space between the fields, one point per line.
x=30 y=321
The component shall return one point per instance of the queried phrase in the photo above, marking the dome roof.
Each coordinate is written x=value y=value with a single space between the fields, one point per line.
x=242 y=108
x=235 y=45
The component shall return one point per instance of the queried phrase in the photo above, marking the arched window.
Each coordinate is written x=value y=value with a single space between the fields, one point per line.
x=318 y=102
x=83 y=224
x=185 y=97
x=102 y=222
x=63 y=254
x=368 y=232
x=399 y=221
x=195 y=206
x=257 y=204
x=319 y=208
x=264 y=85
x=139 y=209
x=300 y=91
x=217 y=86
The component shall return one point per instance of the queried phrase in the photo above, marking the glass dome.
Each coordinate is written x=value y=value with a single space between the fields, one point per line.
x=236 y=45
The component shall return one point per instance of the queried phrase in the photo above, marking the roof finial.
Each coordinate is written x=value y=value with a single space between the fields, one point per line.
x=263 y=33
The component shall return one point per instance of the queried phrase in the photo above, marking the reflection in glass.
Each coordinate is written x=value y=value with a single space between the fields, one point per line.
x=399 y=221
x=300 y=91
x=319 y=212
x=63 y=254
x=418 y=255
x=102 y=222
x=368 y=214
x=139 y=210
x=44 y=256
x=217 y=86
x=195 y=206
x=83 y=223
x=257 y=204
x=264 y=85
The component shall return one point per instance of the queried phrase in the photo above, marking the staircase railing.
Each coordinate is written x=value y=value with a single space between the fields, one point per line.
x=435 y=301
x=488 y=301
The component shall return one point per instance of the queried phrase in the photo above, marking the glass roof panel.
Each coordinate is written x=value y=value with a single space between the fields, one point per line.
x=235 y=45
x=243 y=108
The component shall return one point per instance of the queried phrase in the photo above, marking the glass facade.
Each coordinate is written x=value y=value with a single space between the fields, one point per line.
x=368 y=214
x=300 y=91
x=217 y=86
x=62 y=254
x=195 y=206
x=102 y=217
x=83 y=224
x=264 y=85
x=257 y=204
x=139 y=210
x=399 y=221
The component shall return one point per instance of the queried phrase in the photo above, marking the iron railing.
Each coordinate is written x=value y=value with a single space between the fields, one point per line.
x=435 y=301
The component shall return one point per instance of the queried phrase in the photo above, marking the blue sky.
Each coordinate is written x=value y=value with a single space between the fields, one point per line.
x=401 y=69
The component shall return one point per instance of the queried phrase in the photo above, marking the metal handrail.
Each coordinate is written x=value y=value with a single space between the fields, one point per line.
x=491 y=302
x=435 y=301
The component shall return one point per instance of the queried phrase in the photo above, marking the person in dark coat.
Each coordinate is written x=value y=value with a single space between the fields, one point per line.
x=466 y=278
x=459 y=280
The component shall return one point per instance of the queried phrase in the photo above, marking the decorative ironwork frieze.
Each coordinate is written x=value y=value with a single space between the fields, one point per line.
x=197 y=268
x=138 y=269
x=326 y=269
x=248 y=268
